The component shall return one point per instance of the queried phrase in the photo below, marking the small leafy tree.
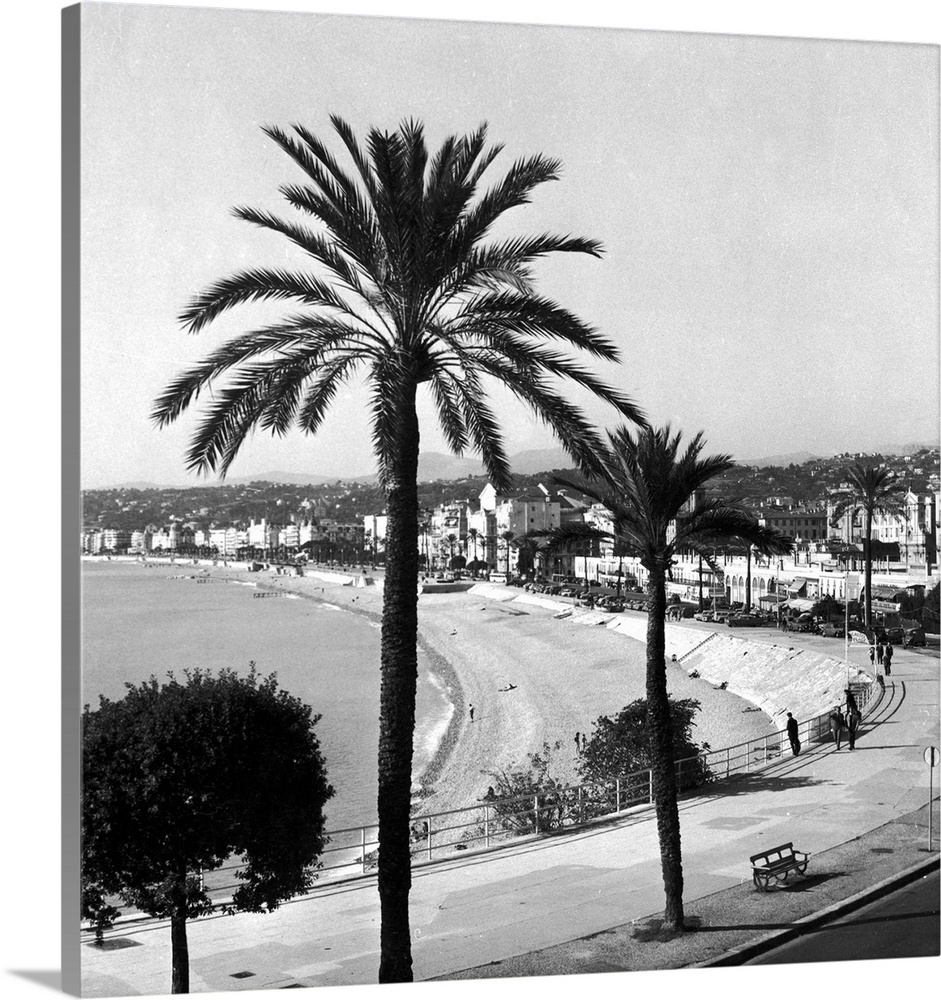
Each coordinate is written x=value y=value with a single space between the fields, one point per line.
x=621 y=745
x=516 y=789
x=178 y=777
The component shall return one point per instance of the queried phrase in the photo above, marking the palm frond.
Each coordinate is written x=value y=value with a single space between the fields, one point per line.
x=532 y=315
x=235 y=411
x=256 y=285
x=447 y=402
x=483 y=429
x=566 y=421
x=537 y=359
x=310 y=242
x=321 y=393
x=315 y=337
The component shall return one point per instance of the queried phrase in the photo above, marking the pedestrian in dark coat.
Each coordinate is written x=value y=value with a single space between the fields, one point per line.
x=853 y=718
x=836 y=725
x=880 y=652
x=887 y=659
x=872 y=654
x=792 y=734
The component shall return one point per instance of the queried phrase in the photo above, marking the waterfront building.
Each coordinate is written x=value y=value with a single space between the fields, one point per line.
x=224 y=541
x=261 y=535
x=289 y=537
x=798 y=523
x=92 y=541
x=115 y=540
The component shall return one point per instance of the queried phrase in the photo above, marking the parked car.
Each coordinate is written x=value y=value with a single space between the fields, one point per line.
x=802 y=623
x=914 y=637
x=743 y=621
x=703 y=616
x=832 y=630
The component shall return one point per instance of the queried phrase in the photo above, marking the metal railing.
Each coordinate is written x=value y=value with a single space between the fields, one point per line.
x=353 y=852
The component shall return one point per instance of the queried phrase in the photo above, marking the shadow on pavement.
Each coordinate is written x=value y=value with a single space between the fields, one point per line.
x=760 y=781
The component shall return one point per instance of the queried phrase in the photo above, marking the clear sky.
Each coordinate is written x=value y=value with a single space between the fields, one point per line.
x=769 y=207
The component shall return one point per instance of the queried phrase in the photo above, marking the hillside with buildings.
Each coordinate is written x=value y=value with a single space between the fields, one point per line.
x=465 y=522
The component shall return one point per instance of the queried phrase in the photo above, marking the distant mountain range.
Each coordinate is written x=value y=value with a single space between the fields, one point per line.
x=431 y=465
x=435 y=465
x=794 y=458
x=799 y=457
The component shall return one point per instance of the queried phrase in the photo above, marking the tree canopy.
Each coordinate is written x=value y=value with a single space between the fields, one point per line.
x=180 y=776
x=620 y=744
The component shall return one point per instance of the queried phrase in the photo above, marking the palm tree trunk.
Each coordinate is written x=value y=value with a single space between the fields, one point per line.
x=399 y=668
x=867 y=556
x=660 y=742
x=179 y=947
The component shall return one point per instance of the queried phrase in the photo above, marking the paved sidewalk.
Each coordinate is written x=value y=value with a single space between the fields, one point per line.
x=492 y=907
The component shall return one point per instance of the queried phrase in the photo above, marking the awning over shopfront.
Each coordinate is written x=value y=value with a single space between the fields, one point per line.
x=771 y=599
x=799 y=604
x=797 y=587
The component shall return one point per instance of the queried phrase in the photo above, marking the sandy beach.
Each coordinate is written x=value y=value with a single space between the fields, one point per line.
x=565 y=676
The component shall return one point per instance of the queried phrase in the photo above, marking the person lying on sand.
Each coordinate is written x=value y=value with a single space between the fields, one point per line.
x=509 y=687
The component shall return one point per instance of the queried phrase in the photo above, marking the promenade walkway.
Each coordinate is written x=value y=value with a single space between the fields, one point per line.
x=491 y=907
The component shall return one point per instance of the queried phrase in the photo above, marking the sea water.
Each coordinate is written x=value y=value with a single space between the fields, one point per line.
x=141 y=621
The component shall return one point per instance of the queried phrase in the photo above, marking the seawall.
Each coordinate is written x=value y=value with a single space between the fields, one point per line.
x=775 y=678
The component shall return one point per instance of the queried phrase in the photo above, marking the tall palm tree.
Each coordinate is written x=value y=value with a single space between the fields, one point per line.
x=529 y=548
x=645 y=485
x=408 y=288
x=450 y=539
x=472 y=534
x=871 y=489
x=508 y=537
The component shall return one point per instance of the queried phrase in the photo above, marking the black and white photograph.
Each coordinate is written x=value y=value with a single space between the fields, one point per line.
x=501 y=485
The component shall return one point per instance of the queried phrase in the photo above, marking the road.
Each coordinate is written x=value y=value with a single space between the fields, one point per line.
x=904 y=924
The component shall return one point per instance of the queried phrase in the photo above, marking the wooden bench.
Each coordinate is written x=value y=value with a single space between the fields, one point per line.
x=777 y=864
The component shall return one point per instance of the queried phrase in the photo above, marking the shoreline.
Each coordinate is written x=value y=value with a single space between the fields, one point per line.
x=565 y=676
x=437 y=665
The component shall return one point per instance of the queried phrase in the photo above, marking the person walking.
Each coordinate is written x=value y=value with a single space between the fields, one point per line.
x=872 y=654
x=887 y=659
x=792 y=734
x=470 y=710
x=578 y=742
x=836 y=725
x=853 y=718
x=880 y=652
